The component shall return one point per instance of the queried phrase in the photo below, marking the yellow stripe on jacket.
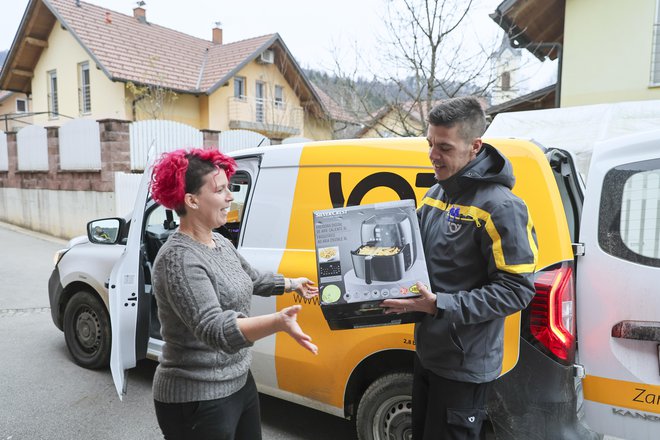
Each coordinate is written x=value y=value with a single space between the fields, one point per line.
x=472 y=213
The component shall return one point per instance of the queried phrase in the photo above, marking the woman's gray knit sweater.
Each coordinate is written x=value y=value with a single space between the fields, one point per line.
x=200 y=292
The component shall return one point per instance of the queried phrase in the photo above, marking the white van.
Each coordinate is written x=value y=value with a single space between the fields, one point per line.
x=596 y=281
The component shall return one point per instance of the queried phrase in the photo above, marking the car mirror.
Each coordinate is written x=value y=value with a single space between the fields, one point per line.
x=105 y=231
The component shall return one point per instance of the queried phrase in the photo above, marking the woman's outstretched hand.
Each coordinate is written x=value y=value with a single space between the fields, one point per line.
x=289 y=316
x=304 y=287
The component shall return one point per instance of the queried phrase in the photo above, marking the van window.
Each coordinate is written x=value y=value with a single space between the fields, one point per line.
x=240 y=188
x=629 y=220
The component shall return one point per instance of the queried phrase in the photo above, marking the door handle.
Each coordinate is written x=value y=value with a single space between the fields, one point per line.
x=637 y=330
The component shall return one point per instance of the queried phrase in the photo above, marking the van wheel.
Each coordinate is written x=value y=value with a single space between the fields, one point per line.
x=87 y=330
x=384 y=412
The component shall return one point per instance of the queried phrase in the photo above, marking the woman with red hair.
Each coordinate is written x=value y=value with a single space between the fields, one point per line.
x=202 y=387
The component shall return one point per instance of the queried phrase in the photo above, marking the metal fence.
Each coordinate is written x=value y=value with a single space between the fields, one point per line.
x=153 y=137
x=32 y=149
x=232 y=140
x=80 y=145
x=4 y=153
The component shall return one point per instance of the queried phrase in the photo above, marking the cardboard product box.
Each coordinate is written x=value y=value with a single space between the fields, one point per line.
x=366 y=254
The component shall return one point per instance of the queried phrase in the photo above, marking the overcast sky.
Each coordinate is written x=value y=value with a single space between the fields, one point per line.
x=316 y=32
x=311 y=29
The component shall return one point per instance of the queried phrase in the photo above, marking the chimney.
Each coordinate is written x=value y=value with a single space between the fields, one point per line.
x=141 y=14
x=217 y=35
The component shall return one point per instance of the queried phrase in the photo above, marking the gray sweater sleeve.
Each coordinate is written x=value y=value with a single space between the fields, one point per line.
x=265 y=283
x=192 y=298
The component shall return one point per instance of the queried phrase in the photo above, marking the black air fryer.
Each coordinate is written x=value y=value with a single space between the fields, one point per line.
x=365 y=255
x=387 y=249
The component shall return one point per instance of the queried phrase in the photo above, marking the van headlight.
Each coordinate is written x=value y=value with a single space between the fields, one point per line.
x=59 y=254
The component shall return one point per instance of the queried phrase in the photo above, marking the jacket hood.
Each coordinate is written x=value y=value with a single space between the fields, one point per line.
x=490 y=166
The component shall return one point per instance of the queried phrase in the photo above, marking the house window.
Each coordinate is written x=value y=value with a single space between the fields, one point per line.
x=84 y=96
x=259 y=101
x=239 y=87
x=21 y=106
x=279 y=97
x=53 y=106
x=655 y=55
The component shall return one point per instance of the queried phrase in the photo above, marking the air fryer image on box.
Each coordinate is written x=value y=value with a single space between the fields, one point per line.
x=366 y=254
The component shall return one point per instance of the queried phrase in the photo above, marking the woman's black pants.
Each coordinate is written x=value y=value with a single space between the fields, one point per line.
x=235 y=417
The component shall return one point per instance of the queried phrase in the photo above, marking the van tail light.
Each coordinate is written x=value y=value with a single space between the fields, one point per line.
x=552 y=312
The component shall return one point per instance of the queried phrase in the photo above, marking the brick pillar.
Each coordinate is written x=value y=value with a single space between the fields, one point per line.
x=8 y=178
x=115 y=150
x=53 y=145
x=211 y=139
x=115 y=145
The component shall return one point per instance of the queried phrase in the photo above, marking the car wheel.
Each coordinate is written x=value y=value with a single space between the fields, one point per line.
x=87 y=330
x=384 y=412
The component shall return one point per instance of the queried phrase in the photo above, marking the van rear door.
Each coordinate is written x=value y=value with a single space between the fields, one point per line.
x=618 y=288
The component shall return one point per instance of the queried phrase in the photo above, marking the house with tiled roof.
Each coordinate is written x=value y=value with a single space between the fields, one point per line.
x=14 y=109
x=596 y=64
x=397 y=119
x=79 y=60
x=344 y=124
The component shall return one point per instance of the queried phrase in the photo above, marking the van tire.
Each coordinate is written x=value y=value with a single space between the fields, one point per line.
x=87 y=330
x=384 y=412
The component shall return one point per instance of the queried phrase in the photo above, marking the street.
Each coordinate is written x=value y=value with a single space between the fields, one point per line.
x=45 y=396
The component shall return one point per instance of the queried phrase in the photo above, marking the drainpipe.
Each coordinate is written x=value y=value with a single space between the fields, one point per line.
x=133 y=105
x=560 y=57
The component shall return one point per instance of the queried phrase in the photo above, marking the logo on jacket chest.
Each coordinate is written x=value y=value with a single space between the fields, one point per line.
x=456 y=219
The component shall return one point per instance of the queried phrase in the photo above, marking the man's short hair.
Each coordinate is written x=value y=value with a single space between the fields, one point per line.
x=466 y=111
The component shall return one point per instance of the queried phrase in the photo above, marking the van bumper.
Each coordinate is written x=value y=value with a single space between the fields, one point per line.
x=537 y=400
x=55 y=290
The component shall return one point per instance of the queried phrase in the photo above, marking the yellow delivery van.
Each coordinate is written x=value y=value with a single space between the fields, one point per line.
x=597 y=256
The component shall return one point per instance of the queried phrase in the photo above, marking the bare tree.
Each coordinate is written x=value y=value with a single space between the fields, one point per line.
x=151 y=100
x=431 y=52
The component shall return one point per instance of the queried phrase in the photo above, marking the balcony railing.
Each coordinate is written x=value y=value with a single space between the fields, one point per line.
x=269 y=117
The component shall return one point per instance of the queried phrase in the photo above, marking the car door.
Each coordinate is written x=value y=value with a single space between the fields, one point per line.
x=129 y=303
x=618 y=288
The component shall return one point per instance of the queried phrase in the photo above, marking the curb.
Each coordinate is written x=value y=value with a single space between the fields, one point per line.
x=33 y=234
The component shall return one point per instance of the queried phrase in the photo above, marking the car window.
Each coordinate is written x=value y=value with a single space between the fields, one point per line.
x=160 y=216
x=160 y=223
x=240 y=188
x=629 y=219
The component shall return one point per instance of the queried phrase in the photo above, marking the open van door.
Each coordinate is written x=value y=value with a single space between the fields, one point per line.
x=129 y=303
x=618 y=288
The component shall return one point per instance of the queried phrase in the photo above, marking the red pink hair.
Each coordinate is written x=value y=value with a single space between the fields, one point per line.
x=179 y=172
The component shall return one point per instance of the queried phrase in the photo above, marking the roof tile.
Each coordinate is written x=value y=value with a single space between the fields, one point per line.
x=148 y=53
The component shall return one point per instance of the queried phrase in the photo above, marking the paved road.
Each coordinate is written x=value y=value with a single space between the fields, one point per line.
x=45 y=396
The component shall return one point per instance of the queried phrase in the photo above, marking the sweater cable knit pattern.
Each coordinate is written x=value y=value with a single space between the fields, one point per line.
x=201 y=292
